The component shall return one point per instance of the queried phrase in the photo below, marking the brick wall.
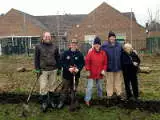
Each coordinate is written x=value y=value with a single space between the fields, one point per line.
x=13 y=23
x=105 y=18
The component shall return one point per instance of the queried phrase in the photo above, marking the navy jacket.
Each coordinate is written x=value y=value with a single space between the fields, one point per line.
x=114 y=56
x=128 y=59
x=70 y=58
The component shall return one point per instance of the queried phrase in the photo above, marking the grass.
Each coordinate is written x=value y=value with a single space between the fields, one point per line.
x=95 y=113
x=20 y=82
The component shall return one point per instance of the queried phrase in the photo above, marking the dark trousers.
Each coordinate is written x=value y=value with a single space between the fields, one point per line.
x=67 y=89
x=68 y=85
x=130 y=81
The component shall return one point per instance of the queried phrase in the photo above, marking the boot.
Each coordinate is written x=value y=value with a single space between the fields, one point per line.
x=44 y=103
x=114 y=96
x=60 y=105
x=132 y=99
x=62 y=100
x=52 y=100
x=109 y=101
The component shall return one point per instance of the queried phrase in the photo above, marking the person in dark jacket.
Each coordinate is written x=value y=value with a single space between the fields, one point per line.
x=113 y=72
x=72 y=62
x=96 y=65
x=46 y=64
x=130 y=62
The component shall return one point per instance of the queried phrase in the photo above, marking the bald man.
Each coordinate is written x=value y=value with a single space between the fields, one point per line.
x=46 y=63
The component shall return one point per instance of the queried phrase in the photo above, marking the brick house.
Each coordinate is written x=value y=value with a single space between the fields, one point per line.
x=19 y=31
x=106 y=18
x=18 y=23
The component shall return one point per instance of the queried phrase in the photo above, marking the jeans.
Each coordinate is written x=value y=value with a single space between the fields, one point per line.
x=89 y=89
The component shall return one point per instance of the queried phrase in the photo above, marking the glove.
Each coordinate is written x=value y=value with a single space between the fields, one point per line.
x=58 y=71
x=71 y=69
x=76 y=70
x=135 y=64
x=103 y=72
x=37 y=71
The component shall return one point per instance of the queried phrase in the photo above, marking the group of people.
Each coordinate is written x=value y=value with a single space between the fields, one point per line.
x=109 y=60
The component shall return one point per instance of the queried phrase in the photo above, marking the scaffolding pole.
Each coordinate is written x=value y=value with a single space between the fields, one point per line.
x=131 y=26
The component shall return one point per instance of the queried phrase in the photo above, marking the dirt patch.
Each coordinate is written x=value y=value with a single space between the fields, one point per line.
x=150 y=105
x=2 y=84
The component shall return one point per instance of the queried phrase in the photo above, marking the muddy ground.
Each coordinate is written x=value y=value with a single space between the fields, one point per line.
x=14 y=88
x=143 y=105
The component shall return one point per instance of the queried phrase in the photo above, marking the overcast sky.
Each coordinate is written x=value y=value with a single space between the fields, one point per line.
x=50 y=7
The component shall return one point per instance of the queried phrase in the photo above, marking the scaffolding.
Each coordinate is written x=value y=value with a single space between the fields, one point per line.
x=61 y=34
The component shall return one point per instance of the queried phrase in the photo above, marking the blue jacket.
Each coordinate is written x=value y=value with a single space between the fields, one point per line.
x=114 y=56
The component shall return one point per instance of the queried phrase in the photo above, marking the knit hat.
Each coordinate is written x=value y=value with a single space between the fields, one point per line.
x=111 y=34
x=97 y=40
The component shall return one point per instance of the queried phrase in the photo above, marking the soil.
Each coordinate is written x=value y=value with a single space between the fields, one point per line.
x=149 y=105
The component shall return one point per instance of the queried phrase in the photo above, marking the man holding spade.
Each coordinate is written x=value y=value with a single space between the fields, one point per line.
x=47 y=64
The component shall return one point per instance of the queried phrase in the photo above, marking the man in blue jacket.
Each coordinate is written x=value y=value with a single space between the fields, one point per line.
x=113 y=75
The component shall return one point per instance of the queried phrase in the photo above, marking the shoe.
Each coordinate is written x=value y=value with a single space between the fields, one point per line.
x=60 y=105
x=114 y=96
x=87 y=103
x=53 y=105
x=137 y=99
x=44 y=107
x=62 y=101
x=132 y=99
x=120 y=98
x=44 y=103
x=51 y=100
